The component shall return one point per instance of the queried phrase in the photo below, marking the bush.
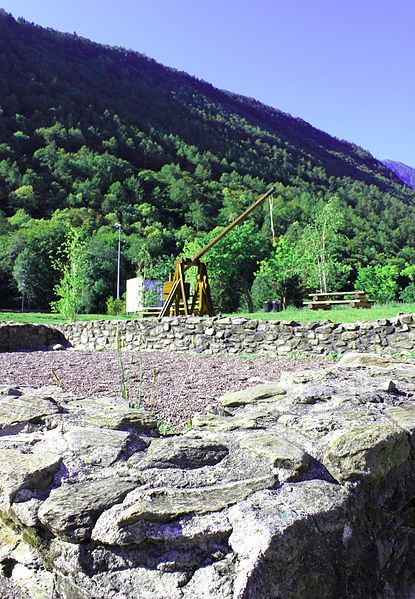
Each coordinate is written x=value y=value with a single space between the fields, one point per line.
x=262 y=290
x=407 y=295
x=115 y=306
x=379 y=282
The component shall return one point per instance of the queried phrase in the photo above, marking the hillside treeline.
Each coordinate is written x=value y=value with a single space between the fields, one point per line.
x=92 y=136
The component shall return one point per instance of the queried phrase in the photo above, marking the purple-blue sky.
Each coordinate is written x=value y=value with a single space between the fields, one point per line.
x=345 y=66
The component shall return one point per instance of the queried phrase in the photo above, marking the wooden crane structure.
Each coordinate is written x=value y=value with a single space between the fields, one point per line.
x=176 y=292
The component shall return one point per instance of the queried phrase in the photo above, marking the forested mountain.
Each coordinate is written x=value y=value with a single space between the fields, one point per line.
x=403 y=171
x=91 y=136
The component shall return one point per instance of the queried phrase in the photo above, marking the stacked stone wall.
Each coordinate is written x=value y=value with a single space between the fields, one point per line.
x=243 y=336
x=25 y=336
x=218 y=335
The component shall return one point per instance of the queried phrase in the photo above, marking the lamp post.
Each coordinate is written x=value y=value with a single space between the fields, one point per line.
x=119 y=227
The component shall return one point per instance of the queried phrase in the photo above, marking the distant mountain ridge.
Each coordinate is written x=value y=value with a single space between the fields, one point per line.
x=403 y=171
x=62 y=76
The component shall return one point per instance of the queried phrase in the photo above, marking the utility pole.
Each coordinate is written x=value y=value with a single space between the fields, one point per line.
x=119 y=227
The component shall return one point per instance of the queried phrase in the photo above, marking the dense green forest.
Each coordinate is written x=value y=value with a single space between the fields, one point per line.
x=92 y=136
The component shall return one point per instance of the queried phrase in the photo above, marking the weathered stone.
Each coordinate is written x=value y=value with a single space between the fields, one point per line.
x=314 y=393
x=26 y=511
x=349 y=326
x=266 y=391
x=166 y=504
x=353 y=360
x=367 y=453
x=181 y=452
x=95 y=445
x=402 y=416
x=39 y=585
x=9 y=539
x=25 y=470
x=56 y=347
x=326 y=328
x=403 y=344
x=25 y=408
x=71 y=511
x=110 y=413
x=281 y=526
x=349 y=335
x=277 y=450
x=223 y=423
x=195 y=529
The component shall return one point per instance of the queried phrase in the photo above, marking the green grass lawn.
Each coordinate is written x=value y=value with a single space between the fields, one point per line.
x=336 y=314
x=45 y=318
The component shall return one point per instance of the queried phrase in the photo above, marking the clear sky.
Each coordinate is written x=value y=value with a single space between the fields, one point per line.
x=345 y=66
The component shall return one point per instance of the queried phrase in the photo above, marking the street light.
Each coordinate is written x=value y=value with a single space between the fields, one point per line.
x=119 y=227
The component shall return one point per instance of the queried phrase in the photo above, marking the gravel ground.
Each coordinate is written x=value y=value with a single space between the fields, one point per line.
x=172 y=385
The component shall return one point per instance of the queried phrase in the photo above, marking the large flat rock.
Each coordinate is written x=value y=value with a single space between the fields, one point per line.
x=367 y=453
x=180 y=452
x=97 y=446
x=264 y=392
x=113 y=414
x=278 y=451
x=17 y=411
x=25 y=470
x=163 y=505
x=72 y=510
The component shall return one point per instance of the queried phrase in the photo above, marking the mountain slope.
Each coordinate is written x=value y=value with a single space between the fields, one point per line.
x=92 y=135
x=403 y=171
x=49 y=77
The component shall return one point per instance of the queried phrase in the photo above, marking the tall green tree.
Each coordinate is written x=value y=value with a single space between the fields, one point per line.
x=278 y=275
x=379 y=281
x=71 y=264
x=30 y=273
x=319 y=248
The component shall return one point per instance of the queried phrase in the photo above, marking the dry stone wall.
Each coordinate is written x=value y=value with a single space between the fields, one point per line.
x=298 y=488
x=25 y=336
x=240 y=335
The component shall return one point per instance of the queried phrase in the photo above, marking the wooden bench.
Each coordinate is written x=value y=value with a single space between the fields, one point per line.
x=323 y=301
x=149 y=311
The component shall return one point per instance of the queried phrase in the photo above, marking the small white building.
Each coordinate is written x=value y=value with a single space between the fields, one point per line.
x=142 y=293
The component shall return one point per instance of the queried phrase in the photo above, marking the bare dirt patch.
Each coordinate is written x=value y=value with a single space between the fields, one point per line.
x=172 y=385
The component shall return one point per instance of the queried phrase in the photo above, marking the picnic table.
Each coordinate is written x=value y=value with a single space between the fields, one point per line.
x=325 y=301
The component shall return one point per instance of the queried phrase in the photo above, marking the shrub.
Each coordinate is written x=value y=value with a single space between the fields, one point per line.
x=407 y=295
x=379 y=281
x=115 y=306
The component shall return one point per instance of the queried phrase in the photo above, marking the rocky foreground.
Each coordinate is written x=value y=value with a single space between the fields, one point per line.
x=298 y=488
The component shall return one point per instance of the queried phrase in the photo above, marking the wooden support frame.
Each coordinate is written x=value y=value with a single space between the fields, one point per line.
x=179 y=301
x=178 y=297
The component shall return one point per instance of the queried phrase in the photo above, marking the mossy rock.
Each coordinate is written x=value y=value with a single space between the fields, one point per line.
x=367 y=453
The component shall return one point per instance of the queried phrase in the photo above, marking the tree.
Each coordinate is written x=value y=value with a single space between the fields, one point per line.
x=71 y=264
x=30 y=273
x=379 y=281
x=101 y=269
x=278 y=275
x=231 y=264
x=319 y=248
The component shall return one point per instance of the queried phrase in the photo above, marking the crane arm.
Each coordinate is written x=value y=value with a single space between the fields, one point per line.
x=226 y=230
